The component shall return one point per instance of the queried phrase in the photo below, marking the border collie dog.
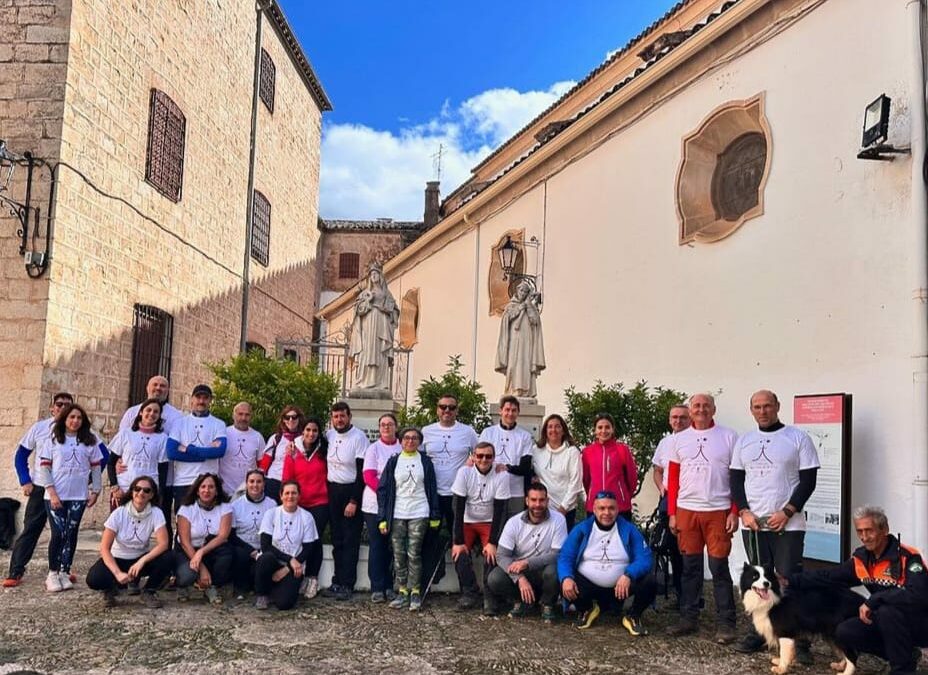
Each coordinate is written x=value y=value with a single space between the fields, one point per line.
x=780 y=619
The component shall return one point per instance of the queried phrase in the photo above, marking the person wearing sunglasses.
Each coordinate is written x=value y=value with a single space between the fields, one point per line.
x=481 y=495
x=407 y=495
x=281 y=443
x=126 y=551
x=35 y=516
x=605 y=561
x=379 y=559
x=448 y=443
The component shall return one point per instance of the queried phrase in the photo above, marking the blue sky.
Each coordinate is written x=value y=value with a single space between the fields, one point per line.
x=407 y=76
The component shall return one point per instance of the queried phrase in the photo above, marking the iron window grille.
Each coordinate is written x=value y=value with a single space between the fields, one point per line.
x=349 y=265
x=164 y=161
x=152 y=345
x=261 y=229
x=268 y=80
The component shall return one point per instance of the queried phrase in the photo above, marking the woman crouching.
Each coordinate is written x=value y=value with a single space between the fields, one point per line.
x=202 y=553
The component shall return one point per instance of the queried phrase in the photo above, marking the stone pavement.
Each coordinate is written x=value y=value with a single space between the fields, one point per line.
x=72 y=633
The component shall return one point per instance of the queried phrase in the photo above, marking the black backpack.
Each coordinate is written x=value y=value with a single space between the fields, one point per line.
x=8 y=509
x=660 y=539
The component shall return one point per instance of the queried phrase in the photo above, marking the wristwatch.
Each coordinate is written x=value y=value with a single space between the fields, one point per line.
x=789 y=511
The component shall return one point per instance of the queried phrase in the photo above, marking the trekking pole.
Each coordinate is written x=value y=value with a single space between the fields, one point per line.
x=441 y=562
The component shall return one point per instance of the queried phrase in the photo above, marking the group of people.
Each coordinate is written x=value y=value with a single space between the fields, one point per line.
x=502 y=495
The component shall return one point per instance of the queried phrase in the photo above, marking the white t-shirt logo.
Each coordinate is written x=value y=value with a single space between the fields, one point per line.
x=196 y=439
x=604 y=560
x=135 y=536
x=761 y=465
x=699 y=463
x=241 y=449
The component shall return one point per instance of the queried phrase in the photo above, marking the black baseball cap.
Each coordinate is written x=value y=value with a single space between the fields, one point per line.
x=202 y=389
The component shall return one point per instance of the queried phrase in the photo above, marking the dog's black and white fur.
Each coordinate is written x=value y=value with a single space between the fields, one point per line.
x=780 y=619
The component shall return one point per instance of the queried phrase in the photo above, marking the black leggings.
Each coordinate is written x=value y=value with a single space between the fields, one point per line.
x=219 y=562
x=282 y=594
x=243 y=569
x=320 y=515
x=100 y=578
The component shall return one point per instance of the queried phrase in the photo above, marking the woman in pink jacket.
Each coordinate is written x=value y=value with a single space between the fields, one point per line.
x=609 y=466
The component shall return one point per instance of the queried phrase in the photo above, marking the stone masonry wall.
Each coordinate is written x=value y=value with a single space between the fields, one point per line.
x=371 y=247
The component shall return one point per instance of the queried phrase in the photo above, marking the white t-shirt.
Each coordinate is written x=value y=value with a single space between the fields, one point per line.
x=530 y=540
x=480 y=491
x=289 y=531
x=411 y=498
x=276 y=470
x=604 y=559
x=662 y=456
x=704 y=456
x=344 y=450
x=35 y=438
x=448 y=448
x=70 y=464
x=168 y=413
x=561 y=472
x=203 y=523
x=141 y=453
x=375 y=459
x=511 y=445
x=199 y=432
x=771 y=462
x=247 y=517
x=133 y=535
x=243 y=450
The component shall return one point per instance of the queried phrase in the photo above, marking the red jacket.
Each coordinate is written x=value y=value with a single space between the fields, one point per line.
x=311 y=474
x=609 y=467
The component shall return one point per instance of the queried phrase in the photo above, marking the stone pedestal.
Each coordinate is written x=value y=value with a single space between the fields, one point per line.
x=531 y=415
x=365 y=413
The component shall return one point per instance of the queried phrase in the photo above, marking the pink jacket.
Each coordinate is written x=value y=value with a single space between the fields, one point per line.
x=610 y=467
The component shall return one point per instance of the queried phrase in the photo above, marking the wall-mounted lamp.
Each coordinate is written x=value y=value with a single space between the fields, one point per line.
x=876 y=132
x=508 y=255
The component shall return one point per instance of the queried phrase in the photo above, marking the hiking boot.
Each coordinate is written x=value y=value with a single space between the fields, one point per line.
x=547 y=614
x=109 y=598
x=67 y=583
x=12 y=582
x=725 y=635
x=633 y=625
x=468 y=601
x=183 y=594
x=344 y=594
x=401 y=600
x=53 y=582
x=415 y=602
x=261 y=602
x=152 y=601
x=589 y=617
x=517 y=611
x=312 y=588
x=390 y=595
x=683 y=627
x=212 y=595
x=134 y=588
x=378 y=597
x=750 y=644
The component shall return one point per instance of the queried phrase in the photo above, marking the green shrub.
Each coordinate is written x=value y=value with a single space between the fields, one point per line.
x=269 y=384
x=640 y=414
x=472 y=403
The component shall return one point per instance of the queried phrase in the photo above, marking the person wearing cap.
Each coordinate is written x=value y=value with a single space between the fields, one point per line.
x=197 y=441
x=604 y=562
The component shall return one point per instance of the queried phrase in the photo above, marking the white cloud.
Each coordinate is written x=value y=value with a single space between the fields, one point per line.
x=368 y=173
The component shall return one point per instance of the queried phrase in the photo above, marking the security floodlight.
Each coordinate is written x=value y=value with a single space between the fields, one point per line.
x=876 y=122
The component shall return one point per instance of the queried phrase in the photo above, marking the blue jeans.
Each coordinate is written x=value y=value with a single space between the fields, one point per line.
x=379 y=560
x=64 y=523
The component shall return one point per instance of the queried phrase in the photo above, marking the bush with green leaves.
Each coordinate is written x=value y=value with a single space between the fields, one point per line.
x=472 y=403
x=640 y=414
x=269 y=384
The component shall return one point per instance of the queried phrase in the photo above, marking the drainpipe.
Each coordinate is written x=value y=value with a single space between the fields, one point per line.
x=260 y=6
x=920 y=274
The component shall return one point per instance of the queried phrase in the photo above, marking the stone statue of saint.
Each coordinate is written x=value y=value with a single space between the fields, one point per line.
x=520 y=352
x=371 y=346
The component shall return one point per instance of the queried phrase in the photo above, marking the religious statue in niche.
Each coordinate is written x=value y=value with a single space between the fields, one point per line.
x=520 y=352
x=371 y=345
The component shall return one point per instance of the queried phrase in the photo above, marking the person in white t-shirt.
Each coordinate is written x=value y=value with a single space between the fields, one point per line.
x=556 y=463
x=481 y=495
x=379 y=558
x=513 y=446
x=126 y=553
x=448 y=443
x=202 y=552
x=244 y=448
x=157 y=388
x=773 y=473
x=247 y=512
x=196 y=443
x=288 y=535
x=527 y=556
x=703 y=515
x=140 y=449
x=67 y=457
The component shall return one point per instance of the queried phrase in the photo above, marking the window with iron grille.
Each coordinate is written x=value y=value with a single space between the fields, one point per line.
x=261 y=229
x=164 y=162
x=255 y=347
x=291 y=355
x=349 y=265
x=268 y=78
x=152 y=340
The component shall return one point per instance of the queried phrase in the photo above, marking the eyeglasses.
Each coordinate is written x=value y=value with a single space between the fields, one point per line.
x=291 y=416
x=605 y=494
x=410 y=438
x=448 y=406
x=60 y=404
x=480 y=455
x=143 y=490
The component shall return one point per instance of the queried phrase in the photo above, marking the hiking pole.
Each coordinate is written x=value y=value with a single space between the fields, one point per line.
x=440 y=563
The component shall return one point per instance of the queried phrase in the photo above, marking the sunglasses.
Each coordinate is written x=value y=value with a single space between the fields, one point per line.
x=291 y=416
x=480 y=455
x=60 y=404
x=605 y=494
x=450 y=406
x=143 y=490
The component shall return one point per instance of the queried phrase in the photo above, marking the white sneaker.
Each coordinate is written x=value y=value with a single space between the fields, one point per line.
x=65 y=579
x=312 y=588
x=53 y=582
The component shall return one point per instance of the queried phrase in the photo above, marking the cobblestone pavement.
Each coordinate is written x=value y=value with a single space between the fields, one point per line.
x=71 y=632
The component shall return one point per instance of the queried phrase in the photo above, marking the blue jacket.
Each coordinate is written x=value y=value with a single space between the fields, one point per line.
x=638 y=552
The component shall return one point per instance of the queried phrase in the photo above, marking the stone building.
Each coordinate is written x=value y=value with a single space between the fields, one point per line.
x=704 y=218
x=140 y=119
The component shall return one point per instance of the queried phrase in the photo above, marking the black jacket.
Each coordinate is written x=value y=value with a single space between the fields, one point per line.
x=386 y=490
